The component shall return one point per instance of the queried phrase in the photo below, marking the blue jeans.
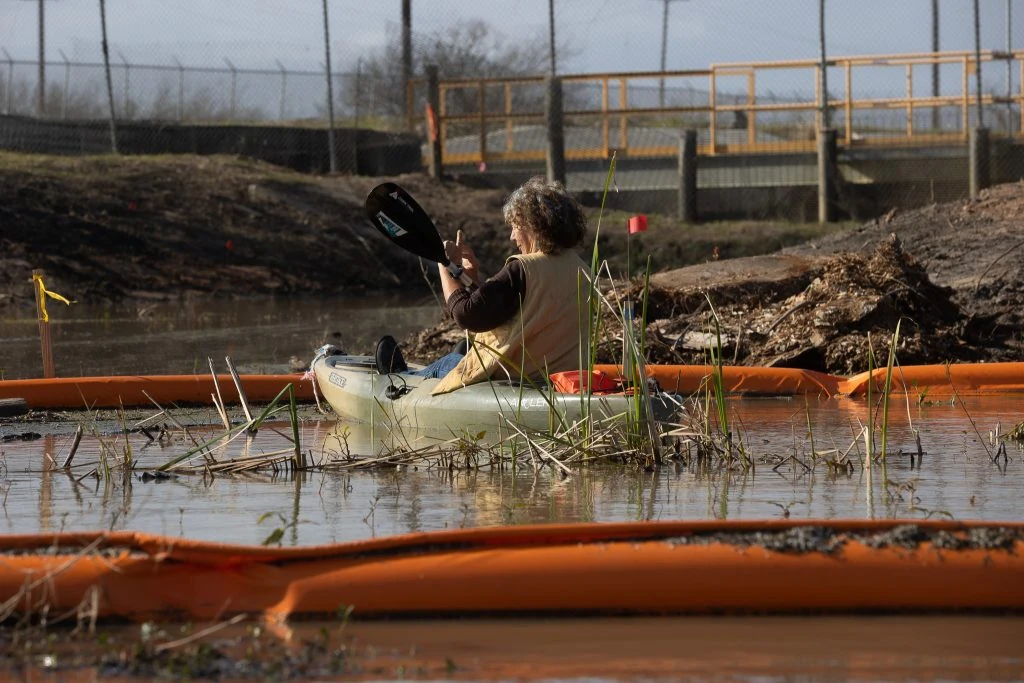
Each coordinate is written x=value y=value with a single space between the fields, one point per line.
x=440 y=367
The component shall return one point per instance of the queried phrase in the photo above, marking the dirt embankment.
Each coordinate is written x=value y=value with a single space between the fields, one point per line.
x=107 y=228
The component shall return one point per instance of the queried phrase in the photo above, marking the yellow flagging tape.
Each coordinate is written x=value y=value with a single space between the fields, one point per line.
x=38 y=279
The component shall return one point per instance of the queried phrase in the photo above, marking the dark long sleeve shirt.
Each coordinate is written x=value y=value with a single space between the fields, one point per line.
x=493 y=303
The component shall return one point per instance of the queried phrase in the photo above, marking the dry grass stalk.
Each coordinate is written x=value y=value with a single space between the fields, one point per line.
x=74 y=448
x=540 y=449
x=241 y=392
x=199 y=635
x=218 y=400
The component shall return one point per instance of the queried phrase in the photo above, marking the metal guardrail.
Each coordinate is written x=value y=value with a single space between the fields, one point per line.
x=603 y=112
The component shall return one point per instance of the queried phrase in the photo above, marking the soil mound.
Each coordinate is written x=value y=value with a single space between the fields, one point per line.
x=851 y=303
x=976 y=247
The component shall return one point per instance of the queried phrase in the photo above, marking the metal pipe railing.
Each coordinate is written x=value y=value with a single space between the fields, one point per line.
x=629 y=112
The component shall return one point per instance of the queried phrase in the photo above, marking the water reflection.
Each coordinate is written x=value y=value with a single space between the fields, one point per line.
x=177 y=337
x=955 y=478
x=778 y=648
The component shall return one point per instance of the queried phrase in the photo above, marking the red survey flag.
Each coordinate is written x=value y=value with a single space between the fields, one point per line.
x=638 y=224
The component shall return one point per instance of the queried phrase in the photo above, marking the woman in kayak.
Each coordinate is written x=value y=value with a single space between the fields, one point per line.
x=527 y=320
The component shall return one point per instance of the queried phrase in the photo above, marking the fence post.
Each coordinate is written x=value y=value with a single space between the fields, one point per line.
x=67 y=81
x=434 y=102
x=126 y=113
x=41 y=95
x=234 y=84
x=181 y=90
x=936 y=90
x=284 y=89
x=555 y=128
x=407 y=60
x=332 y=152
x=688 y=177
x=828 y=175
x=978 y=161
x=44 y=324
x=106 y=70
x=358 y=87
x=10 y=81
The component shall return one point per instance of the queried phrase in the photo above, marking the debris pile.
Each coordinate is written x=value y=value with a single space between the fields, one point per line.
x=851 y=304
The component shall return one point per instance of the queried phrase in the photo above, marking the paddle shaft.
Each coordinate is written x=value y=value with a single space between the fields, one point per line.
x=459 y=273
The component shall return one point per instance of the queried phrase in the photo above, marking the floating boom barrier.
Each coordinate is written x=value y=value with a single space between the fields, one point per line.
x=697 y=567
x=931 y=380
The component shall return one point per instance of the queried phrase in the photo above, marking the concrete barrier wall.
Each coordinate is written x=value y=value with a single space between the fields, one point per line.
x=775 y=186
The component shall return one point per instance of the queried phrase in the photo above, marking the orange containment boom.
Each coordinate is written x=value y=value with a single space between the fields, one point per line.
x=640 y=567
x=112 y=392
x=738 y=379
x=941 y=380
x=933 y=380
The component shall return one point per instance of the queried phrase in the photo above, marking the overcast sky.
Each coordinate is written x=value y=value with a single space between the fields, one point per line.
x=604 y=35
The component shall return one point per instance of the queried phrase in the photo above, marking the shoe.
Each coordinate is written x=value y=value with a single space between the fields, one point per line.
x=461 y=347
x=388 y=356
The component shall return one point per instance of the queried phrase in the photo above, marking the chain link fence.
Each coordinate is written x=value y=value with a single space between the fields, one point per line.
x=176 y=92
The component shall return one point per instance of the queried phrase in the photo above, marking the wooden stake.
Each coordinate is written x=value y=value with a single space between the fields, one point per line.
x=44 y=325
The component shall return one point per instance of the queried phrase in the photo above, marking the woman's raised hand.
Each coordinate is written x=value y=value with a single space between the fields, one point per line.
x=463 y=254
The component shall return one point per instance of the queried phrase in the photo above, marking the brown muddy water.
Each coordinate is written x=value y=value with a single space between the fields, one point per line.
x=160 y=338
x=958 y=476
x=592 y=650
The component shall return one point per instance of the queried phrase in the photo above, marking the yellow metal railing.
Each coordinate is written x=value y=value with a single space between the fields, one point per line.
x=482 y=107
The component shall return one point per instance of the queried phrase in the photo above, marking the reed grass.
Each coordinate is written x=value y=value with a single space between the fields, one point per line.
x=250 y=426
x=718 y=376
x=885 y=400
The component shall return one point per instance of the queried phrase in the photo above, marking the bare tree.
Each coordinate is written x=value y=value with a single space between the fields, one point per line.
x=469 y=49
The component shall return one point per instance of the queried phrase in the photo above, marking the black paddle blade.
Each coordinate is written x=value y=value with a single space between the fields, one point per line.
x=398 y=217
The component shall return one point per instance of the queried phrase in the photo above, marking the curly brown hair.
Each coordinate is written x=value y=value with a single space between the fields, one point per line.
x=548 y=212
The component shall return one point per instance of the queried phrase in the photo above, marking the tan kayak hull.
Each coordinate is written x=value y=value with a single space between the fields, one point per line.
x=356 y=391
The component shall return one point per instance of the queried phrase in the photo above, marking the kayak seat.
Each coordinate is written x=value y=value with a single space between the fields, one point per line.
x=389 y=356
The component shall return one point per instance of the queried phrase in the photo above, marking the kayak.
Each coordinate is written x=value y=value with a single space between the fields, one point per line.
x=356 y=391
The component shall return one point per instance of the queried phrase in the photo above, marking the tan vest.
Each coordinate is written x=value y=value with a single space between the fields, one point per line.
x=543 y=338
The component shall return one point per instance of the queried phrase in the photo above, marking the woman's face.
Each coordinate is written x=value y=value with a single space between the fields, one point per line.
x=522 y=238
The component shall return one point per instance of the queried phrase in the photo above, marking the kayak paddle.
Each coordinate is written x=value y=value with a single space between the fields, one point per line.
x=398 y=217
